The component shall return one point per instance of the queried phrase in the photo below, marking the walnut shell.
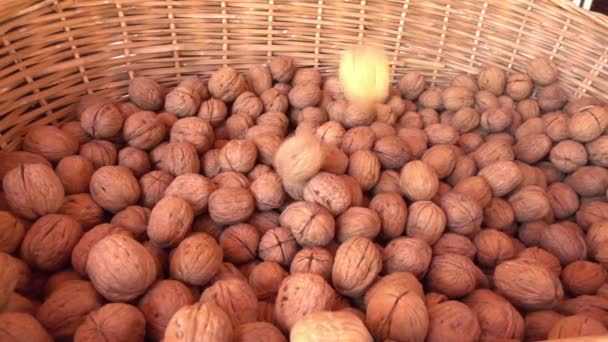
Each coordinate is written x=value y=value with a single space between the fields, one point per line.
x=335 y=160
x=565 y=243
x=153 y=186
x=11 y=160
x=563 y=199
x=235 y=297
x=455 y=98
x=114 y=188
x=502 y=176
x=444 y=316
x=411 y=85
x=330 y=325
x=304 y=95
x=491 y=152
x=415 y=139
x=367 y=261
x=596 y=241
x=231 y=179
x=542 y=70
x=298 y=158
x=301 y=294
x=144 y=130
x=260 y=78
x=238 y=156
x=588 y=124
x=568 y=155
x=282 y=68
x=575 y=326
x=492 y=79
x=196 y=259
x=146 y=93
x=22 y=327
x=33 y=190
x=115 y=321
x=552 y=97
x=498 y=319
x=411 y=120
x=191 y=322
x=265 y=279
x=120 y=268
x=406 y=254
x=530 y=203
x=539 y=323
x=365 y=167
x=357 y=221
x=227 y=84
x=392 y=211
x=258 y=331
x=329 y=191
x=453 y=275
x=195 y=131
x=274 y=101
x=589 y=180
x=83 y=209
x=418 y=181
x=519 y=86
x=239 y=243
x=431 y=98
x=67 y=307
x=313 y=260
x=391 y=152
x=596 y=150
x=249 y=104
x=81 y=250
x=213 y=111
x=135 y=159
x=185 y=99
x=8 y=277
x=493 y=247
x=441 y=134
x=464 y=214
x=358 y=138
x=102 y=120
x=426 y=221
x=484 y=100
x=49 y=241
x=278 y=245
x=231 y=205
x=310 y=224
x=11 y=232
x=176 y=158
x=496 y=119
x=50 y=142
x=100 y=153
x=170 y=221
x=476 y=188
x=194 y=189
x=583 y=277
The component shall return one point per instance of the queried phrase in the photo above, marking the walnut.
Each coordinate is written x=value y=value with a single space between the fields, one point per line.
x=552 y=97
x=274 y=101
x=239 y=243
x=228 y=271
x=355 y=115
x=365 y=167
x=260 y=78
x=50 y=142
x=278 y=245
x=213 y=111
x=455 y=98
x=441 y=134
x=282 y=68
x=429 y=116
x=358 y=138
x=387 y=182
x=531 y=126
x=453 y=275
x=539 y=323
x=496 y=119
x=542 y=70
x=120 y=268
x=415 y=139
x=465 y=119
x=532 y=148
x=167 y=119
x=176 y=158
x=448 y=314
x=493 y=151
x=596 y=241
x=185 y=99
x=114 y=188
x=48 y=243
x=198 y=246
x=583 y=277
x=335 y=160
x=298 y=158
x=100 y=153
x=596 y=150
x=231 y=179
x=392 y=211
x=464 y=214
x=210 y=163
x=465 y=81
x=118 y=321
x=128 y=108
x=484 y=100
x=334 y=325
x=407 y=254
x=391 y=303
x=313 y=260
x=385 y=114
x=136 y=160
x=22 y=327
x=170 y=221
x=337 y=109
x=275 y=119
x=75 y=174
x=528 y=109
x=299 y=295
x=133 y=218
x=492 y=79
x=11 y=232
x=589 y=180
x=418 y=181
x=258 y=331
x=83 y=209
x=498 y=319
x=391 y=152
x=144 y=130
x=191 y=322
x=227 y=84
x=425 y=221
x=304 y=95
x=568 y=155
x=519 y=86
x=153 y=186
x=329 y=191
x=193 y=188
x=357 y=221
x=310 y=224
x=576 y=326
x=101 y=120
x=248 y=104
x=588 y=123
x=563 y=199
x=146 y=93
x=11 y=160
x=195 y=131
x=306 y=75
x=231 y=205
x=235 y=297
x=265 y=279
x=412 y=85
x=565 y=243
x=502 y=176
x=238 y=156
x=354 y=281
x=469 y=142
x=530 y=203
x=493 y=247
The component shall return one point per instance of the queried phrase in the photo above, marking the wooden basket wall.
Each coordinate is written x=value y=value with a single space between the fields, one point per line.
x=54 y=51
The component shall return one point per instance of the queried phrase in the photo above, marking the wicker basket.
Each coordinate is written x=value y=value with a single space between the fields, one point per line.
x=55 y=51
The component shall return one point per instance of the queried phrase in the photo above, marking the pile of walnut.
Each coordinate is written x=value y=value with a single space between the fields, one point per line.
x=266 y=207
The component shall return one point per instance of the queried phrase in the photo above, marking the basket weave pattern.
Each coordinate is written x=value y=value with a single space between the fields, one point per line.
x=54 y=51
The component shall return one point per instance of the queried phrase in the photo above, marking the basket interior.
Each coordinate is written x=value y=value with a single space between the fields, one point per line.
x=56 y=51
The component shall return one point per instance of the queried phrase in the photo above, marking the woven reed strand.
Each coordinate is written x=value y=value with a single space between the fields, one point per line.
x=54 y=51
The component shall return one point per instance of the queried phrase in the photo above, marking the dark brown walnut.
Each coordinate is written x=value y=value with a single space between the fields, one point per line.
x=144 y=130
x=264 y=220
x=565 y=243
x=532 y=148
x=498 y=319
x=75 y=174
x=431 y=98
x=50 y=142
x=282 y=68
x=588 y=123
x=407 y=254
x=100 y=153
x=357 y=263
x=358 y=138
x=114 y=321
x=196 y=259
x=311 y=224
x=153 y=186
x=493 y=247
x=135 y=159
x=67 y=307
x=265 y=279
x=455 y=98
x=484 y=100
x=299 y=295
x=170 y=221
x=22 y=327
x=496 y=119
x=278 y=245
x=498 y=214
x=464 y=214
x=274 y=101
x=227 y=84
x=415 y=139
x=444 y=316
x=591 y=212
x=33 y=190
x=329 y=191
x=83 y=209
x=176 y=158
x=120 y=268
x=365 y=167
x=230 y=205
x=539 y=323
x=563 y=199
x=492 y=79
x=259 y=78
x=357 y=221
x=235 y=297
x=418 y=181
x=249 y=104
x=114 y=188
x=133 y=218
x=441 y=134
x=493 y=151
x=454 y=275
x=191 y=322
x=194 y=189
x=552 y=97
x=195 y=131
x=258 y=331
x=213 y=111
x=502 y=176
x=393 y=213
x=597 y=237
x=101 y=120
x=48 y=243
x=426 y=220
x=530 y=203
x=238 y=156
x=391 y=303
x=146 y=93
x=528 y=284
x=589 y=181
x=583 y=277
x=239 y=243
x=519 y=86
x=11 y=232
x=313 y=260
x=568 y=155
x=475 y=187
x=411 y=85
x=576 y=326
